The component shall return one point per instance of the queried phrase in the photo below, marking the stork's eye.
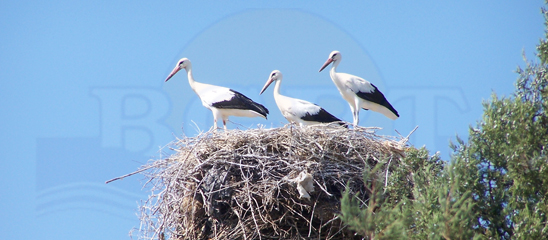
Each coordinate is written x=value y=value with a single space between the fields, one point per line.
x=181 y=63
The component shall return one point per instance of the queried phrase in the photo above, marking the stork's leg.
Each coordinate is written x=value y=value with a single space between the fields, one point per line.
x=214 y=123
x=224 y=125
x=356 y=117
x=216 y=116
x=355 y=114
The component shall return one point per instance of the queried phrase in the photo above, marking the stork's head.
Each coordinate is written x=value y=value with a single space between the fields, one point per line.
x=334 y=57
x=274 y=76
x=183 y=63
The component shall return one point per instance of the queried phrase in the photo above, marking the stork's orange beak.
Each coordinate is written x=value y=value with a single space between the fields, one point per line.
x=270 y=80
x=329 y=60
x=175 y=70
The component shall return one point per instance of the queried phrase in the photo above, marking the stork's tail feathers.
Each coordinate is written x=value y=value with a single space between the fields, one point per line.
x=389 y=111
x=392 y=114
x=386 y=109
x=259 y=108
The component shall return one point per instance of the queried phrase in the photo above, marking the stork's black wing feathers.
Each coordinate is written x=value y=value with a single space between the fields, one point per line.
x=240 y=101
x=322 y=116
x=377 y=97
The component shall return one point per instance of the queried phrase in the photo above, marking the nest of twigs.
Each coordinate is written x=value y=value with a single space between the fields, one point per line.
x=281 y=183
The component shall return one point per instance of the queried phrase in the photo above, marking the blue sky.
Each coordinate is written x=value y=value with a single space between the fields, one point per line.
x=83 y=97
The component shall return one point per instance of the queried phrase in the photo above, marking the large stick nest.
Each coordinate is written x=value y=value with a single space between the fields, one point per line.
x=282 y=183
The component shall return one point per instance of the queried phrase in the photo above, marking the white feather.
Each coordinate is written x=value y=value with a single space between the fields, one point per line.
x=294 y=109
x=355 y=83
x=211 y=94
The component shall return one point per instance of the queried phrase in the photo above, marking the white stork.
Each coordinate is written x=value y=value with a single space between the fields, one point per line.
x=297 y=110
x=358 y=92
x=223 y=102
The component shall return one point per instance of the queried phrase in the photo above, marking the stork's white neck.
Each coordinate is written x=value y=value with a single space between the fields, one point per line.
x=191 y=81
x=333 y=70
x=277 y=89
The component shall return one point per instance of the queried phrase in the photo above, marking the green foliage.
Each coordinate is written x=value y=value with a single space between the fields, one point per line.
x=376 y=220
x=507 y=152
x=421 y=200
x=442 y=210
